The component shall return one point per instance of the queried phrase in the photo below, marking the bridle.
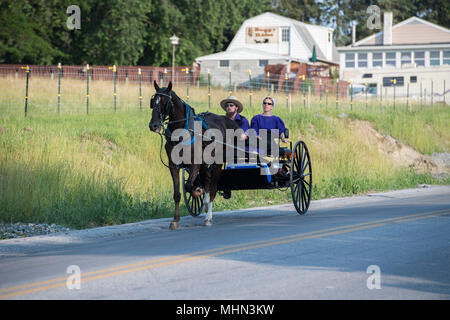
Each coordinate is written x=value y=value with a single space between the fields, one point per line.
x=167 y=108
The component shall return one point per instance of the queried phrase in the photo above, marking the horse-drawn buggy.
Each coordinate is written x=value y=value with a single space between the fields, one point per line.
x=288 y=168
x=292 y=170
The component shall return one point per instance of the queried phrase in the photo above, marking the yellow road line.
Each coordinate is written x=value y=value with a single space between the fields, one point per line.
x=165 y=261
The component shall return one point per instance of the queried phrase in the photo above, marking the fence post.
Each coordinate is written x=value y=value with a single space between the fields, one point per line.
x=351 y=95
x=367 y=89
x=395 y=84
x=407 y=96
x=209 y=89
x=444 y=92
x=27 y=71
x=381 y=97
x=309 y=96
x=286 y=89
x=420 y=95
x=59 y=86
x=165 y=77
x=115 y=87
x=187 y=83
x=303 y=89
x=230 y=91
x=87 y=89
x=250 y=86
x=337 y=93
x=432 y=93
x=326 y=96
x=320 y=93
x=140 y=89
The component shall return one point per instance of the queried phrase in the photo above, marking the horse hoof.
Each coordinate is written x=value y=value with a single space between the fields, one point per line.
x=208 y=223
x=173 y=225
x=197 y=193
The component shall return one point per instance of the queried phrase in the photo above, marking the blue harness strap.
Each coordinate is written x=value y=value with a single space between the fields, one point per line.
x=189 y=124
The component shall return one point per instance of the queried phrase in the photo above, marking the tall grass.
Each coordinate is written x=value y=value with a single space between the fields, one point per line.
x=103 y=168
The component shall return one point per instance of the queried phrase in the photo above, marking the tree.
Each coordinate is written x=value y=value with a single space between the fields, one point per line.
x=112 y=32
x=308 y=11
x=28 y=32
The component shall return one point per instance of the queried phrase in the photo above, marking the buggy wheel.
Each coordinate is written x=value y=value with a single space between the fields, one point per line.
x=301 y=177
x=193 y=205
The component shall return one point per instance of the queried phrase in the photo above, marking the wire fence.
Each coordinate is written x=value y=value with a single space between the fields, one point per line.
x=294 y=87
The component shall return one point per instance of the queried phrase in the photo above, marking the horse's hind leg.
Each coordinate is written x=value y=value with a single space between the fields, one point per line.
x=207 y=199
x=208 y=204
x=211 y=189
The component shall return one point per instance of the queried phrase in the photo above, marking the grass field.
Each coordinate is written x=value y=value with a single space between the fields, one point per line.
x=103 y=168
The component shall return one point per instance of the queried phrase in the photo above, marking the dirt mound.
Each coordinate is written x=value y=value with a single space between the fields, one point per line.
x=401 y=154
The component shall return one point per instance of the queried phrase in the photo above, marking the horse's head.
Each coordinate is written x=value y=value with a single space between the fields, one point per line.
x=161 y=103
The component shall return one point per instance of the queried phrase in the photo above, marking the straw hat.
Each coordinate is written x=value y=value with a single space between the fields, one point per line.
x=234 y=100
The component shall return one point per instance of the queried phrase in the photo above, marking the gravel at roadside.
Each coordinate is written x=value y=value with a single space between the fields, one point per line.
x=19 y=230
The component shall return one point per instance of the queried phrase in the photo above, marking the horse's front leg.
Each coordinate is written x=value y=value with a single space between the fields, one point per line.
x=190 y=186
x=175 y=172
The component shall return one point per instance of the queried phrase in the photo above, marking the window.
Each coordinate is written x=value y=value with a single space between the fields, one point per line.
x=435 y=58
x=262 y=63
x=285 y=35
x=406 y=57
x=329 y=36
x=362 y=59
x=367 y=75
x=389 y=81
x=390 y=59
x=377 y=59
x=446 y=59
x=224 y=63
x=419 y=58
x=349 y=60
x=413 y=79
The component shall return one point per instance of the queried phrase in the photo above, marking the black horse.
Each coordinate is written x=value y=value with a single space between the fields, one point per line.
x=167 y=105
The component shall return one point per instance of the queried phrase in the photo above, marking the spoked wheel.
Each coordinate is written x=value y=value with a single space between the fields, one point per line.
x=301 y=177
x=194 y=205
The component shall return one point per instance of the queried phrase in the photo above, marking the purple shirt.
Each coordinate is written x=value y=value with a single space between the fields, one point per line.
x=262 y=122
x=242 y=122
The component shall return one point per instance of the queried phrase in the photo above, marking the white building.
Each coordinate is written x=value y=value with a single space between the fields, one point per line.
x=268 y=39
x=413 y=55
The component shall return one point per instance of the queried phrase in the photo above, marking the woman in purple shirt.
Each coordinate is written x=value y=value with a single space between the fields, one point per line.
x=267 y=120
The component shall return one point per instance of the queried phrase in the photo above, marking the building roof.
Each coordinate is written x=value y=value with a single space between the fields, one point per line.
x=245 y=54
x=305 y=32
x=412 y=31
x=302 y=29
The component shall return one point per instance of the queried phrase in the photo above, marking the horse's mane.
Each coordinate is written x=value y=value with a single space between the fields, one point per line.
x=174 y=95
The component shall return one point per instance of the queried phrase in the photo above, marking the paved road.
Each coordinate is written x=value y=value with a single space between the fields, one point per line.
x=393 y=245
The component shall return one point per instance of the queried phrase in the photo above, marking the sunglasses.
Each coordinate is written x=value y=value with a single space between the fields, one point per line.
x=268 y=103
x=230 y=105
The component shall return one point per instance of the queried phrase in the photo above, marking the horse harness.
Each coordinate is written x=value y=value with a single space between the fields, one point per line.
x=164 y=121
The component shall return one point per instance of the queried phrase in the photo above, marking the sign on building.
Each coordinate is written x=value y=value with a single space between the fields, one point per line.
x=261 y=35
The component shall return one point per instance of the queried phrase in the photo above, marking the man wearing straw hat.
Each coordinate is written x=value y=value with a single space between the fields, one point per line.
x=233 y=107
